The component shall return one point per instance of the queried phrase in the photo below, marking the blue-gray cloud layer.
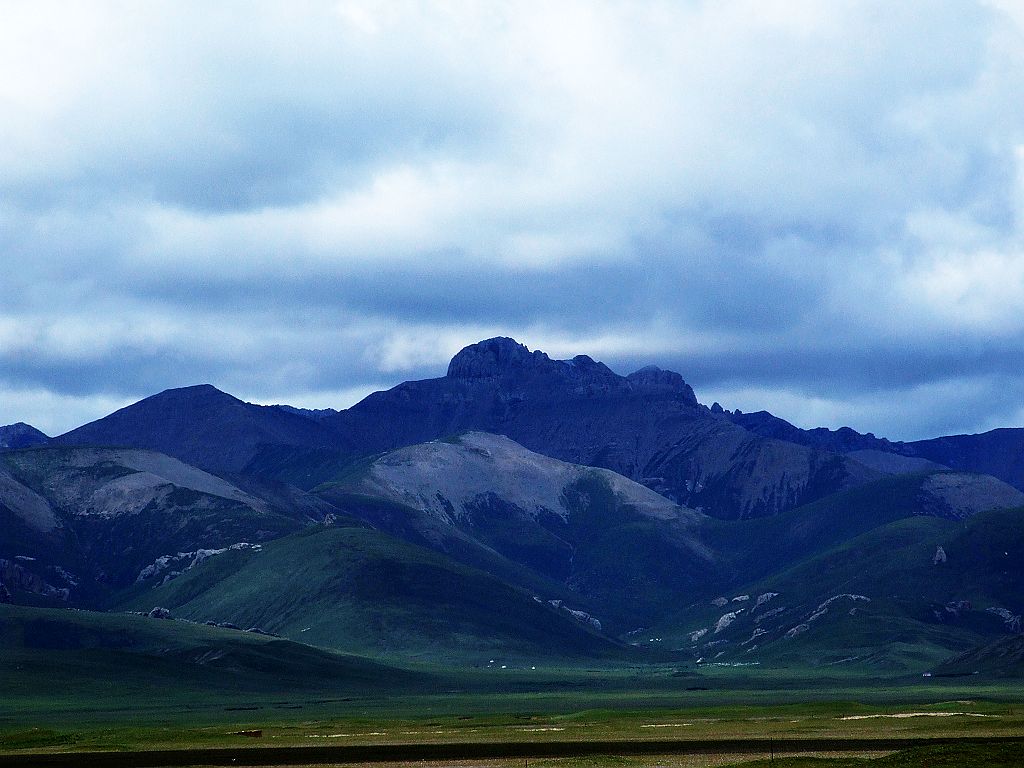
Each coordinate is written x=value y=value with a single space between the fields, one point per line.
x=812 y=208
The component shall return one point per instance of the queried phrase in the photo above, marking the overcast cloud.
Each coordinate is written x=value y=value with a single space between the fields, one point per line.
x=813 y=208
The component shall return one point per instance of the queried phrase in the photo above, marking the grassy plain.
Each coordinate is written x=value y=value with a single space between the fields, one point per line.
x=491 y=706
x=80 y=681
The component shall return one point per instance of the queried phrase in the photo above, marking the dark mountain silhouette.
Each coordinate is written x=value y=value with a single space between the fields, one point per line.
x=21 y=435
x=647 y=426
x=202 y=426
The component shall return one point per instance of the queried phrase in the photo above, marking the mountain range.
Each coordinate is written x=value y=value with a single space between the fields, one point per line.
x=526 y=507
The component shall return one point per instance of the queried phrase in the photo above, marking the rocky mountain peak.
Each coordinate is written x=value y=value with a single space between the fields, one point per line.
x=494 y=357
x=507 y=359
x=651 y=378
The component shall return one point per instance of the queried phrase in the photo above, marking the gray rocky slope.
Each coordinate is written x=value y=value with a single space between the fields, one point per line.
x=77 y=522
x=999 y=452
x=621 y=549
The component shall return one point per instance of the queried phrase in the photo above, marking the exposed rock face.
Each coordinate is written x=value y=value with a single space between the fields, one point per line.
x=28 y=506
x=590 y=529
x=181 y=562
x=497 y=357
x=799 y=629
x=758 y=632
x=159 y=613
x=5 y=595
x=1010 y=620
x=957 y=495
x=770 y=614
x=107 y=513
x=17 y=576
x=450 y=479
x=653 y=379
x=955 y=609
x=940 y=556
x=727 y=619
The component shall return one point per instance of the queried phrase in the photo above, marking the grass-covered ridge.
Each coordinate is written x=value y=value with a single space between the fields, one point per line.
x=361 y=590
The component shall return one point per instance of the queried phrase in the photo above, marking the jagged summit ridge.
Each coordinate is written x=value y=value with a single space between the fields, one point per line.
x=505 y=358
x=651 y=378
x=495 y=357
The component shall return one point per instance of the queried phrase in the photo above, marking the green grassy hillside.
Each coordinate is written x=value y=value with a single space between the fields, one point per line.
x=361 y=590
x=85 y=658
x=755 y=548
x=1003 y=657
x=880 y=598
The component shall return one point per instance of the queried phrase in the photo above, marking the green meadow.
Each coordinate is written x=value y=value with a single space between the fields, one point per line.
x=83 y=681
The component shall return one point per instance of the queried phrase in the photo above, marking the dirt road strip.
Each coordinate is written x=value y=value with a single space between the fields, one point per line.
x=294 y=756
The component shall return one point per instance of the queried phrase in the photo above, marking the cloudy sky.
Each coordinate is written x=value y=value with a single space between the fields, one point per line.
x=813 y=208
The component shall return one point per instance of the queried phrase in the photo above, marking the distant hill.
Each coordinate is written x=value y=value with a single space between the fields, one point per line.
x=647 y=426
x=21 y=435
x=316 y=414
x=526 y=507
x=360 y=590
x=999 y=452
x=175 y=662
x=1003 y=657
x=898 y=575
x=201 y=426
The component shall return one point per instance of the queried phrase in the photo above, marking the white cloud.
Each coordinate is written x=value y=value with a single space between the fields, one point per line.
x=264 y=190
x=53 y=412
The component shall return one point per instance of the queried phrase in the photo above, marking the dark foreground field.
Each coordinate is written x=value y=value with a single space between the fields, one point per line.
x=895 y=753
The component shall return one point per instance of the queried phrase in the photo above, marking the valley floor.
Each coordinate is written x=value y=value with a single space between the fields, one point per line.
x=721 y=724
